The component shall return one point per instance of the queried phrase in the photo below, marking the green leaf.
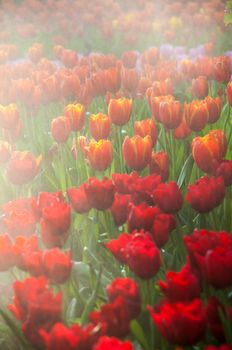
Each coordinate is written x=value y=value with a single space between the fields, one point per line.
x=228 y=13
x=184 y=170
x=71 y=310
x=15 y=328
x=139 y=335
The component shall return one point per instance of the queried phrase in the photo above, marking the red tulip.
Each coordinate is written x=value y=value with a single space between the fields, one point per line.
x=180 y=323
x=168 y=197
x=100 y=193
x=214 y=193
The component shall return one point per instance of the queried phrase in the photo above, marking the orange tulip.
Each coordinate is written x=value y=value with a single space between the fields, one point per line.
x=209 y=150
x=100 y=126
x=221 y=69
x=155 y=102
x=200 y=87
x=214 y=108
x=76 y=115
x=112 y=79
x=129 y=59
x=160 y=164
x=151 y=56
x=22 y=167
x=170 y=113
x=146 y=127
x=119 y=110
x=70 y=85
x=5 y=151
x=137 y=151
x=130 y=79
x=35 y=52
x=9 y=116
x=60 y=128
x=100 y=154
x=69 y=58
x=162 y=88
x=182 y=131
x=196 y=115
x=229 y=93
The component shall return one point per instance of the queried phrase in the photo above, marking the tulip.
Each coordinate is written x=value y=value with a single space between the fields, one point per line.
x=182 y=131
x=130 y=79
x=224 y=169
x=181 y=323
x=22 y=167
x=100 y=154
x=160 y=164
x=155 y=102
x=170 y=113
x=168 y=197
x=206 y=194
x=9 y=116
x=214 y=108
x=221 y=69
x=137 y=151
x=120 y=208
x=78 y=199
x=129 y=59
x=119 y=111
x=36 y=307
x=209 y=150
x=100 y=193
x=200 y=87
x=60 y=129
x=229 y=93
x=105 y=342
x=100 y=126
x=162 y=88
x=181 y=286
x=196 y=115
x=112 y=79
x=7 y=253
x=127 y=289
x=35 y=52
x=76 y=115
x=142 y=255
x=5 y=151
x=146 y=127
x=57 y=265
